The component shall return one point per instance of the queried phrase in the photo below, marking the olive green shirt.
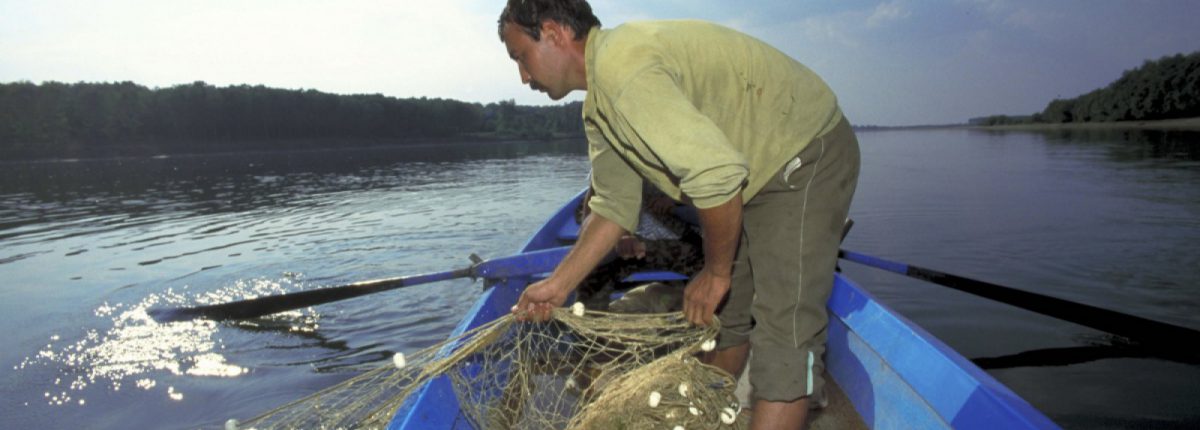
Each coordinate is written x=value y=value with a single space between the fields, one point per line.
x=699 y=110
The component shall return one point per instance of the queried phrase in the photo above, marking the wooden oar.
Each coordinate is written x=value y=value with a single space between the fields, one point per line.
x=1137 y=329
x=497 y=268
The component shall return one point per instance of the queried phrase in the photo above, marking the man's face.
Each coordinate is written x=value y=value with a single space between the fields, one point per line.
x=541 y=63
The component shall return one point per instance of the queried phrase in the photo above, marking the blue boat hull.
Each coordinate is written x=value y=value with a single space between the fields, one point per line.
x=896 y=375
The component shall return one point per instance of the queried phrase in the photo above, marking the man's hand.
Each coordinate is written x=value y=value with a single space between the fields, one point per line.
x=597 y=237
x=702 y=295
x=631 y=247
x=661 y=205
x=722 y=227
x=539 y=299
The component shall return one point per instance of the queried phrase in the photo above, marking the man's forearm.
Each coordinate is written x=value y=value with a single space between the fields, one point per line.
x=597 y=237
x=722 y=226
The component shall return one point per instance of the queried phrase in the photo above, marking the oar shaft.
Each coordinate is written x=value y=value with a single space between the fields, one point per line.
x=268 y=305
x=526 y=264
x=1133 y=327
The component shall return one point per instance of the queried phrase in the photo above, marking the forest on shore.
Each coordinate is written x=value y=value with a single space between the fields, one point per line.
x=1162 y=89
x=63 y=120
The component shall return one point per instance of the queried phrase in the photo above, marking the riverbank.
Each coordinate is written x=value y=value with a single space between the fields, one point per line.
x=1188 y=124
x=180 y=147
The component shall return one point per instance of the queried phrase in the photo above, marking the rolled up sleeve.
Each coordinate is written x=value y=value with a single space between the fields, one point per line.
x=616 y=187
x=686 y=142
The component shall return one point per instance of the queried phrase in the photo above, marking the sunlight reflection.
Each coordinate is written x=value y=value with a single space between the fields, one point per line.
x=138 y=348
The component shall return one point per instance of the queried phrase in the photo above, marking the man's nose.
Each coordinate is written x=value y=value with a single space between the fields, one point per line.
x=525 y=78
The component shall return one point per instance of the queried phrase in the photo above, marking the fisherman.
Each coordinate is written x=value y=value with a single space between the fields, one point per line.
x=723 y=122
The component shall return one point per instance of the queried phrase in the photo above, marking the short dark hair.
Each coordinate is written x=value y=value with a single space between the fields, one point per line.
x=529 y=14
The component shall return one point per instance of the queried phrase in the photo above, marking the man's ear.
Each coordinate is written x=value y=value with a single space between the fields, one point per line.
x=555 y=31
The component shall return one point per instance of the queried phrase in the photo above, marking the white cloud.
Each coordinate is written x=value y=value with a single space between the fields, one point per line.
x=439 y=49
x=988 y=6
x=887 y=12
x=834 y=29
x=1014 y=15
x=819 y=28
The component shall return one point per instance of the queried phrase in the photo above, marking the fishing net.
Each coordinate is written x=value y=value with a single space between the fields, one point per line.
x=582 y=370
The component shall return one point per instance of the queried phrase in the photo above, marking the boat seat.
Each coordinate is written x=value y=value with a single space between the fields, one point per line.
x=569 y=231
x=655 y=276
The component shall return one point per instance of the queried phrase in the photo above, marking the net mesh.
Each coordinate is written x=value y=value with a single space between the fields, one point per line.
x=582 y=370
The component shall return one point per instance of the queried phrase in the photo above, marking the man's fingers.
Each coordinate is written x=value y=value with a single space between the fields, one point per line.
x=710 y=309
x=689 y=304
x=519 y=309
x=699 y=312
x=701 y=317
x=539 y=312
x=526 y=311
x=694 y=314
x=523 y=313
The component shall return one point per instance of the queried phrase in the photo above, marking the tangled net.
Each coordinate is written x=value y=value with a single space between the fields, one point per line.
x=582 y=370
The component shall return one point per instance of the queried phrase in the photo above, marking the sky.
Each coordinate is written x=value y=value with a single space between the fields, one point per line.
x=891 y=62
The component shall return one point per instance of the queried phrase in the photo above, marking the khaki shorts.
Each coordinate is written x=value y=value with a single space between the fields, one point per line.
x=783 y=274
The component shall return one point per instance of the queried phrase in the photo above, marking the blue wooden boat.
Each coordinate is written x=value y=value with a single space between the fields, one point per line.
x=892 y=373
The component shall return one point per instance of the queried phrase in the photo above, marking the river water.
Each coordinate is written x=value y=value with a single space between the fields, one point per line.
x=1111 y=219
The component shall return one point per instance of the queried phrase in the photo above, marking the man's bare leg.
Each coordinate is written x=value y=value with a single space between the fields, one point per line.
x=729 y=359
x=766 y=415
x=779 y=415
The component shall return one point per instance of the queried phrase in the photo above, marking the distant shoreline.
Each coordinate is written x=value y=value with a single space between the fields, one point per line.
x=240 y=146
x=1189 y=124
x=1184 y=124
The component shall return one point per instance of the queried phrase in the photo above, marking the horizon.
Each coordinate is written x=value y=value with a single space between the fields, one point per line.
x=892 y=63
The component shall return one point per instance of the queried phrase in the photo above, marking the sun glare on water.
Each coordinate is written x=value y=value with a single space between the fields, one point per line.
x=137 y=351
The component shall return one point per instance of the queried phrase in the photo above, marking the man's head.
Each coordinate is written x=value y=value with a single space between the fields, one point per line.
x=541 y=36
x=529 y=15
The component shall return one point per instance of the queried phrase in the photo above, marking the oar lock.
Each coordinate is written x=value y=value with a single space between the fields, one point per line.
x=476 y=260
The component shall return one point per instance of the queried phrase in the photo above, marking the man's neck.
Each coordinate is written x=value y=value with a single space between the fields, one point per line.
x=578 y=50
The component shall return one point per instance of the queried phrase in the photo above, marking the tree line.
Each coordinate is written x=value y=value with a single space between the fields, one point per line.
x=1167 y=88
x=55 y=119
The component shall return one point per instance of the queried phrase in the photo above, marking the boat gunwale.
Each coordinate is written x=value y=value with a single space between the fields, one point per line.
x=914 y=354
